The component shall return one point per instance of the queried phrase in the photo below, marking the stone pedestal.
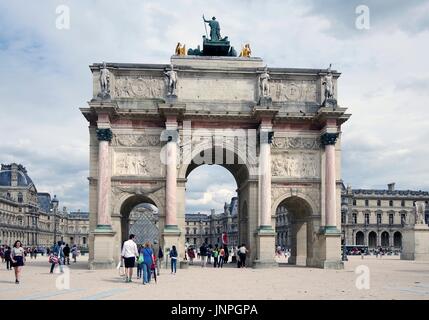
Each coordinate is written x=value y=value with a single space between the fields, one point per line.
x=415 y=243
x=104 y=244
x=331 y=249
x=330 y=103
x=265 y=244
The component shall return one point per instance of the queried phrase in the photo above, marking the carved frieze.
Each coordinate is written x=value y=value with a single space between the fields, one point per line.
x=135 y=140
x=135 y=163
x=139 y=87
x=302 y=165
x=293 y=143
x=296 y=91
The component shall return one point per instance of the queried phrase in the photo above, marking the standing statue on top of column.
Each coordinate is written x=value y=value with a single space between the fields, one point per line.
x=172 y=81
x=214 y=29
x=264 y=85
x=104 y=81
x=328 y=82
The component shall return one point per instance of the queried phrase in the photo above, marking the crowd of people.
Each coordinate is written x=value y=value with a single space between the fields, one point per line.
x=221 y=255
x=15 y=257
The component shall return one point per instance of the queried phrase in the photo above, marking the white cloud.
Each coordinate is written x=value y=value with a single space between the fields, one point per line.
x=45 y=78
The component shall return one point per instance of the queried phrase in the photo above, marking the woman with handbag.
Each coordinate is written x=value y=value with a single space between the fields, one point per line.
x=18 y=258
x=147 y=262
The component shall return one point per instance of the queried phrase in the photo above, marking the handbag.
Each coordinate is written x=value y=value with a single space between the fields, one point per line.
x=140 y=259
x=53 y=259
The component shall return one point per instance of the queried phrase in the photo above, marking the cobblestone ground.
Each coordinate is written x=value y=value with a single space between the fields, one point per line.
x=389 y=278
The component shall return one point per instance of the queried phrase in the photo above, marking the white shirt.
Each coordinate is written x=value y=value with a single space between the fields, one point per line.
x=242 y=249
x=130 y=249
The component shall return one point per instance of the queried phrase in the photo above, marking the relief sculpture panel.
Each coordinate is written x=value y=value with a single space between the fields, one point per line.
x=303 y=165
x=139 y=87
x=296 y=143
x=136 y=163
x=296 y=91
x=135 y=140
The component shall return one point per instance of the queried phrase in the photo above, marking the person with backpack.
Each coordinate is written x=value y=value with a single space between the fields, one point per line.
x=7 y=258
x=56 y=257
x=173 y=259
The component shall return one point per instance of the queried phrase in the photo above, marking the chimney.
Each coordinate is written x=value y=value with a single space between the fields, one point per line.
x=391 y=186
x=212 y=211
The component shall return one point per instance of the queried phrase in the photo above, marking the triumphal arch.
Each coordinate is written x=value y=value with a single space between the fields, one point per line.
x=277 y=130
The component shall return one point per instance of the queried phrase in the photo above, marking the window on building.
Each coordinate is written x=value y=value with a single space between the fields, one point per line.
x=354 y=218
x=195 y=223
x=343 y=218
x=402 y=203
x=84 y=240
x=187 y=240
x=195 y=230
x=390 y=203
x=391 y=218
x=378 y=203
x=20 y=197
x=366 y=218
x=379 y=218
x=366 y=203
x=354 y=202
x=195 y=241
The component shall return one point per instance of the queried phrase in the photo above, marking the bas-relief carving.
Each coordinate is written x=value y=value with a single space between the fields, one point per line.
x=155 y=192
x=131 y=163
x=296 y=143
x=134 y=140
x=296 y=165
x=297 y=91
x=139 y=87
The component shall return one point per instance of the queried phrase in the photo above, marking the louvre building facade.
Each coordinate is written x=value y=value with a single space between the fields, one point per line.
x=34 y=217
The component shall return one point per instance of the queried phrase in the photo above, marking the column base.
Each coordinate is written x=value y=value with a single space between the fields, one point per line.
x=104 y=242
x=330 y=249
x=265 y=248
x=415 y=243
x=171 y=237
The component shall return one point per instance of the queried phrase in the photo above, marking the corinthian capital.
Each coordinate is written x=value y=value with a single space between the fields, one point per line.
x=104 y=134
x=329 y=138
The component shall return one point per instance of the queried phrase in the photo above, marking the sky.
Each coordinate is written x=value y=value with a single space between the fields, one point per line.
x=384 y=83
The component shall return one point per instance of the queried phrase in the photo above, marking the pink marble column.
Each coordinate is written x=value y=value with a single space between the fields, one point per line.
x=171 y=181
x=171 y=185
x=265 y=174
x=329 y=139
x=104 y=183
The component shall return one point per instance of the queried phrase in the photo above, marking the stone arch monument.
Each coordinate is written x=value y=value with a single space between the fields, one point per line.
x=283 y=146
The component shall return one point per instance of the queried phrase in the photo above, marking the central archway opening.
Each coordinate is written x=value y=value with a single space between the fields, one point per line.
x=140 y=216
x=216 y=206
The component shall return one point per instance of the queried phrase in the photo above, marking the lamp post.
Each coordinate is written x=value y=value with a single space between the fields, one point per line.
x=344 y=257
x=54 y=203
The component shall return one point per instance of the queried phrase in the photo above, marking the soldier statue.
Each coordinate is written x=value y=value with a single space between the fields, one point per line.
x=104 y=80
x=172 y=81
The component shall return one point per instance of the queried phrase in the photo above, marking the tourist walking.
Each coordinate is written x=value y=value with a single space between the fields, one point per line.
x=74 y=253
x=159 y=260
x=56 y=257
x=66 y=251
x=7 y=258
x=140 y=261
x=147 y=254
x=242 y=251
x=173 y=259
x=226 y=256
x=203 y=254
x=129 y=254
x=209 y=254
x=191 y=255
x=215 y=256
x=18 y=258
x=221 y=257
